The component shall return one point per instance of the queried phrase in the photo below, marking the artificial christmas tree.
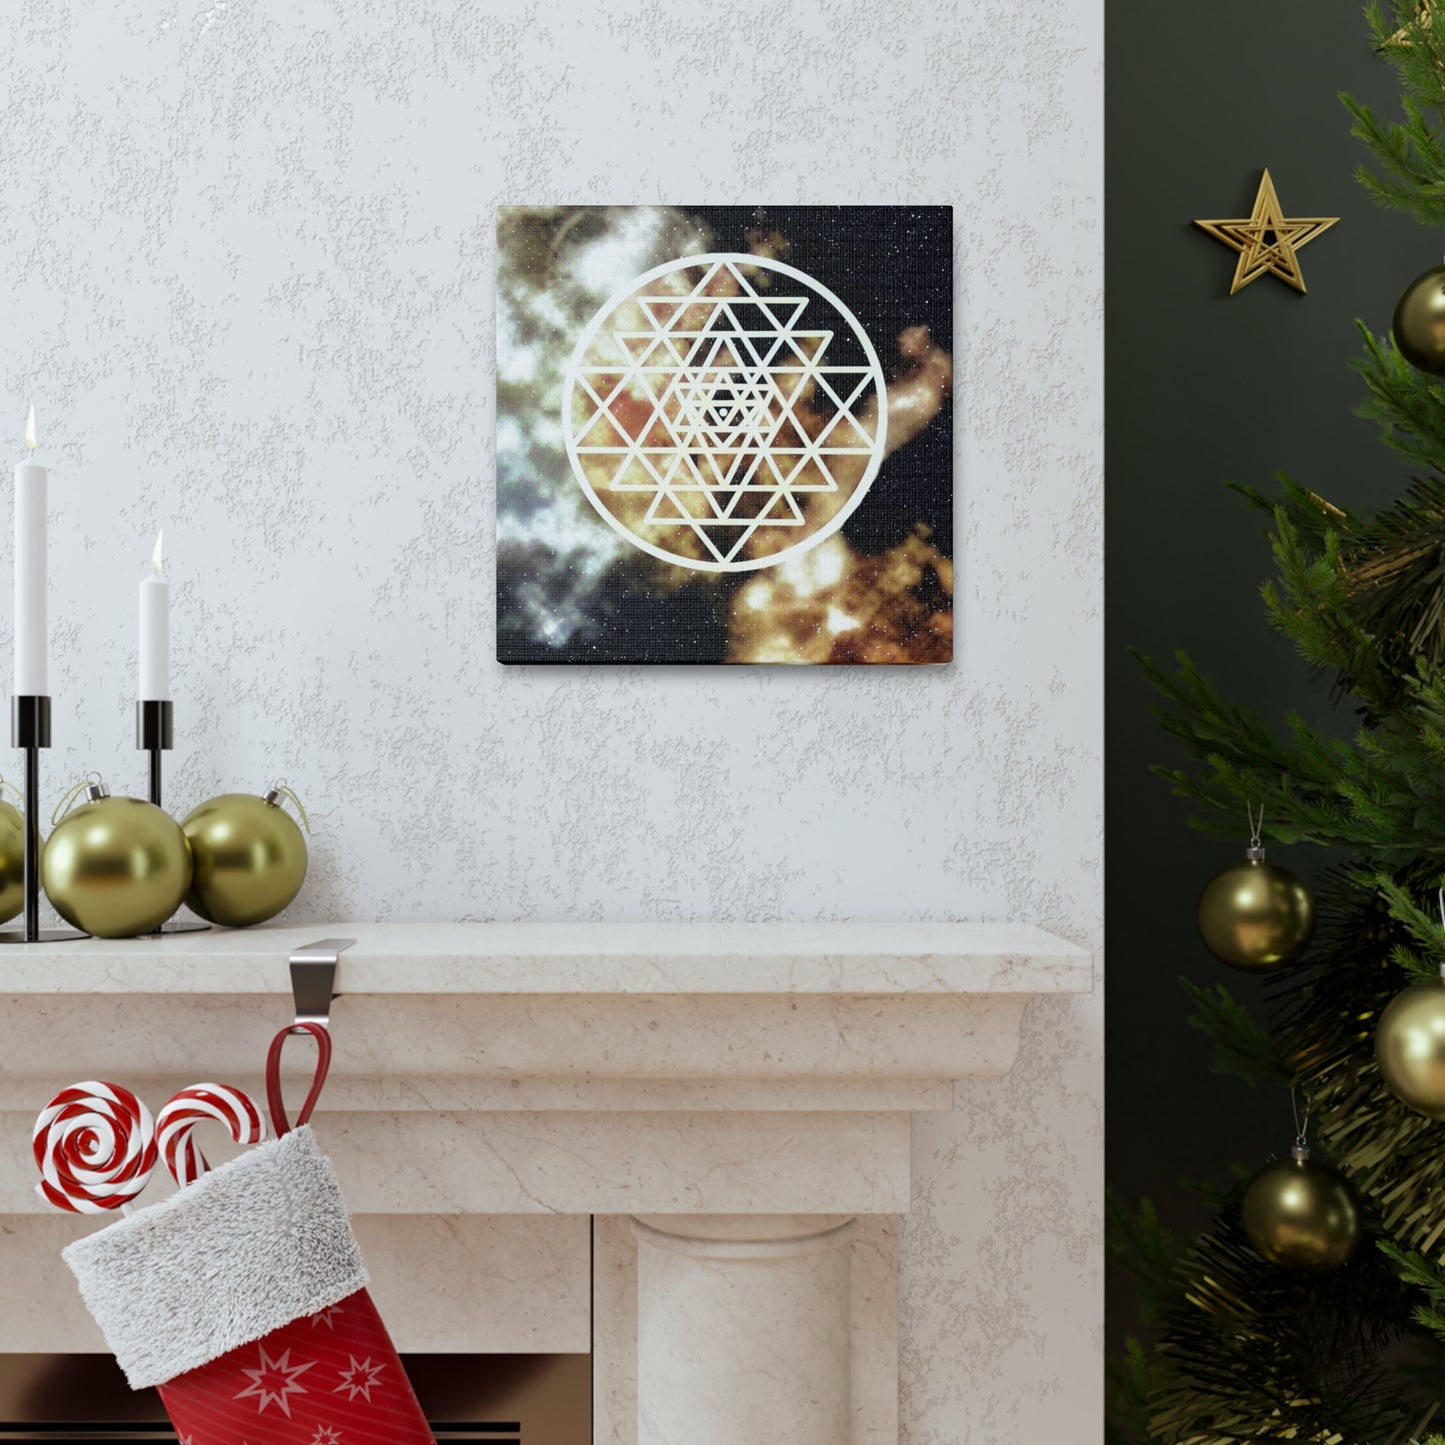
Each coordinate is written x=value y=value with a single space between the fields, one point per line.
x=1247 y=1348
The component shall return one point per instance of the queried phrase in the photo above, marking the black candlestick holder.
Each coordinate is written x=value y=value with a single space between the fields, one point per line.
x=30 y=730
x=154 y=735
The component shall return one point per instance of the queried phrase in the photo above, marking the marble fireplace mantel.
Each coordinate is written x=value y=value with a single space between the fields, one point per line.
x=733 y=1102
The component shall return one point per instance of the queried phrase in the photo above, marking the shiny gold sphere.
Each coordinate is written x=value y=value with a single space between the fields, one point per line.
x=250 y=859
x=1420 y=321
x=1301 y=1214
x=12 y=861
x=1410 y=1048
x=1256 y=916
x=116 y=867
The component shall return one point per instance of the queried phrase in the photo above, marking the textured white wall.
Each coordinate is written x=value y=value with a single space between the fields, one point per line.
x=247 y=261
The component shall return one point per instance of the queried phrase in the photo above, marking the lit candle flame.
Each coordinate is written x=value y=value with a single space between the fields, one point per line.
x=156 y=555
x=30 y=428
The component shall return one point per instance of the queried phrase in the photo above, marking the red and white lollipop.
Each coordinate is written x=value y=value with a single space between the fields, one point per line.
x=202 y=1104
x=95 y=1147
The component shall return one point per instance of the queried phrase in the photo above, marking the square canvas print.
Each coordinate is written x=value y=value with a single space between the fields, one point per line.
x=724 y=434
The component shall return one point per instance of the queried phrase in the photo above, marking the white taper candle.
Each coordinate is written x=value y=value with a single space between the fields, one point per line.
x=31 y=632
x=155 y=632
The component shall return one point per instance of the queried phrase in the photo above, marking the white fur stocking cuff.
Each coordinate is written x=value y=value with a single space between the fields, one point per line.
x=249 y=1247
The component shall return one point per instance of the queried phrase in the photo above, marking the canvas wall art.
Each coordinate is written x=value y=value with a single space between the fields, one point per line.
x=724 y=434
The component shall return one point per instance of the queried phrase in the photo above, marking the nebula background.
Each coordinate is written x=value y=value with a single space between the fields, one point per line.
x=568 y=588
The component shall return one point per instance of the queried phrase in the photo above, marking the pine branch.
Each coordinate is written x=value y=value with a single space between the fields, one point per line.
x=1377 y=795
x=1419 y=963
x=1241 y=1047
x=1308 y=512
x=1126 y=1388
x=1409 y=171
x=1146 y=1249
x=1392 y=580
x=1408 y=405
x=1424 y=1275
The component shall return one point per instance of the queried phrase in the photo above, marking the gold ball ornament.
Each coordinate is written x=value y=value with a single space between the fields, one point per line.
x=1301 y=1214
x=1419 y=324
x=115 y=867
x=1410 y=1048
x=1256 y=916
x=250 y=857
x=12 y=861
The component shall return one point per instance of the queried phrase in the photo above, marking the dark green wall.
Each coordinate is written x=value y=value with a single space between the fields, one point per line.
x=1204 y=388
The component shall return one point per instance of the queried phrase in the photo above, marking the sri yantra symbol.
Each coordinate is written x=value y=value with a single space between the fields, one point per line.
x=700 y=412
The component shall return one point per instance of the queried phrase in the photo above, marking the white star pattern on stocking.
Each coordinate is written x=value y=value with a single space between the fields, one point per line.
x=326 y=1317
x=326 y=1435
x=709 y=397
x=273 y=1382
x=359 y=1378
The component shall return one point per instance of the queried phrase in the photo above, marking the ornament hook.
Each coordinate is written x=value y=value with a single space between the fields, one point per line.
x=1301 y=1148
x=280 y=789
x=1441 y=900
x=91 y=782
x=1255 y=851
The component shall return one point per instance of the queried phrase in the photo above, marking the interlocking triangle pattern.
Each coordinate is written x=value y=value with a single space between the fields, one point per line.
x=708 y=399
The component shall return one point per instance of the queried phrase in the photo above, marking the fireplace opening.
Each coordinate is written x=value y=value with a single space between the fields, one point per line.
x=524 y=1399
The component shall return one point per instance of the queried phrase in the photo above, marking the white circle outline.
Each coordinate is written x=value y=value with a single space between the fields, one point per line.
x=569 y=386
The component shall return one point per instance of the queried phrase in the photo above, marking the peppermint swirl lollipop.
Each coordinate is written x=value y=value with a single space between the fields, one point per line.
x=198 y=1104
x=95 y=1147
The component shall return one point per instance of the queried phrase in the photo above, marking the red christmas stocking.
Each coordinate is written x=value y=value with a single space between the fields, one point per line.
x=243 y=1298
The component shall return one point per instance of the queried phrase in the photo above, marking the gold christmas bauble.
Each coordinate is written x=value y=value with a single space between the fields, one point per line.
x=1419 y=325
x=1301 y=1214
x=1256 y=916
x=115 y=867
x=250 y=858
x=12 y=861
x=1410 y=1048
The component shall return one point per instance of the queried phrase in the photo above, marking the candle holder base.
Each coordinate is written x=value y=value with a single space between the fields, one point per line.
x=30 y=731
x=155 y=733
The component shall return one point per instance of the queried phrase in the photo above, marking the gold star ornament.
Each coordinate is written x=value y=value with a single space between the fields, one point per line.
x=1268 y=242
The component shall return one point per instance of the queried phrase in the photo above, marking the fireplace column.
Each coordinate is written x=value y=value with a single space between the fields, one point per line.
x=743 y=1329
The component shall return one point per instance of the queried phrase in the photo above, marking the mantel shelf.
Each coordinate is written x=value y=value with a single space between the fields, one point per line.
x=610 y=1068
x=573 y=958
x=499 y=1083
